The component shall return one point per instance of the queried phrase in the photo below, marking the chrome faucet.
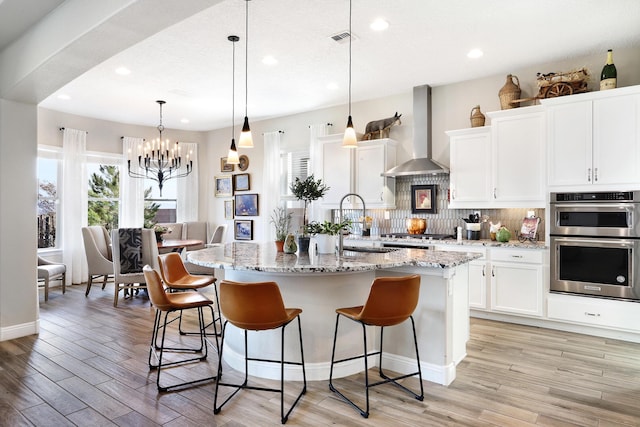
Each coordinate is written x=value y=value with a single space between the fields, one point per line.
x=364 y=215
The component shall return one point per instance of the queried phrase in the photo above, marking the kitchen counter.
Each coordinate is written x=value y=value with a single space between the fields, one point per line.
x=378 y=241
x=318 y=284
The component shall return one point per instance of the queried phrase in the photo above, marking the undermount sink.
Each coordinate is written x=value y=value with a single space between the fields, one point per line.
x=369 y=249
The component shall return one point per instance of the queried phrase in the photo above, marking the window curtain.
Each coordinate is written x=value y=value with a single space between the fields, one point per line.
x=187 y=187
x=131 y=212
x=272 y=178
x=74 y=204
x=315 y=150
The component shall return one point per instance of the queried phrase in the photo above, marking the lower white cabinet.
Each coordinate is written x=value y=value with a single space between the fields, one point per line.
x=611 y=314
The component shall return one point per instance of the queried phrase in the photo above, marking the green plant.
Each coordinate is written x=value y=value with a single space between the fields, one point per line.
x=281 y=219
x=327 y=227
x=308 y=190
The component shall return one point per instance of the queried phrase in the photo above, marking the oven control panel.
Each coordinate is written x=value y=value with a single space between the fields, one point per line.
x=603 y=196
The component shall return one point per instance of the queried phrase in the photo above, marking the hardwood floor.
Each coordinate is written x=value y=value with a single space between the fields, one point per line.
x=88 y=367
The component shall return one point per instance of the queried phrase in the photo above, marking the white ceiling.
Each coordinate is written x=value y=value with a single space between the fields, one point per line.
x=189 y=64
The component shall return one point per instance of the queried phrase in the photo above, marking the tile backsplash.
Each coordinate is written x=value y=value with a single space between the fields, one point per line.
x=444 y=220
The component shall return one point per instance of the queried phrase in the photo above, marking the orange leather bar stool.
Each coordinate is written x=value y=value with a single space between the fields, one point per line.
x=391 y=301
x=167 y=303
x=177 y=278
x=257 y=307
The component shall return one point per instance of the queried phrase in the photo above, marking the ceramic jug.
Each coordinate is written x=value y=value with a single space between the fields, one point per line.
x=509 y=92
x=477 y=118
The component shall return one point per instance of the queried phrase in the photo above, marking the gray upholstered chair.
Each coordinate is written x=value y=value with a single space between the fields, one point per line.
x=197 y=233
x=146 y=251
x=48 y=271
x=219 y=236
x=97 y=247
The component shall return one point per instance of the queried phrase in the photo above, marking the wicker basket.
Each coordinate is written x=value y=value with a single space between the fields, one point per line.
x=509 y=92
x=476 y=116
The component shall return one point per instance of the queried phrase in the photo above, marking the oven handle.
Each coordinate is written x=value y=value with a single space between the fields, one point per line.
x=596 y=241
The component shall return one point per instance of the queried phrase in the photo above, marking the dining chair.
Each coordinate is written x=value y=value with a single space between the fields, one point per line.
x=48 y=271
x=391 y=301
x=132 y=248
x=97 y=248
x=219 y=235
x=257 y=306
x=166 y=303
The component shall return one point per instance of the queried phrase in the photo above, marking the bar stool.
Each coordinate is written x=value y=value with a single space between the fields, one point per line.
x=391 y=301
x=177 y=278
x=167 y=303
x=257 y=307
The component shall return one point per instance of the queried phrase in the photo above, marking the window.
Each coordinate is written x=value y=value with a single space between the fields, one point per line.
x=159 y=209
x=103 y=190
x=48 y=202
x=294 y=164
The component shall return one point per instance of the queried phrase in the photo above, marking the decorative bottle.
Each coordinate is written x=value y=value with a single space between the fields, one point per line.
x=609 y=75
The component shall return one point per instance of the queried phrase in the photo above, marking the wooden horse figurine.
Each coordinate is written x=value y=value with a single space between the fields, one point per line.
x=380 y=128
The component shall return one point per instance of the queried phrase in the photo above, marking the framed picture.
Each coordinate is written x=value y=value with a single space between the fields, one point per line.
x=244 y=162
x=246 y=204
x=243 y=229
x=529 y=228
x=223 y=186
x=228 y=209
x=423 y=198
x=241 y=182
x=224 y=166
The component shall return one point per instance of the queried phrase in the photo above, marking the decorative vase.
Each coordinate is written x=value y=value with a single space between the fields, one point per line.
x=326 y=243
x=290 y=246
x=280 y=245
x=477 y=118
x=509 y=92
x=303 y=243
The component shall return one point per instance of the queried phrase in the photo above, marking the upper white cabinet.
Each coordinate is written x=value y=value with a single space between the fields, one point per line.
x=502 y=165
x=358 y=170
x=594 y=138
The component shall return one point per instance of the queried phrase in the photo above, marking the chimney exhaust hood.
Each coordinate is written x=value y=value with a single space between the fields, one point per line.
x=421 y=163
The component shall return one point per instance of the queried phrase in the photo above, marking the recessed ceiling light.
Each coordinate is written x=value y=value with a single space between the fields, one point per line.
x=123 y=71
x=269 y=60
x=332 y=86
x=379 y=25
x=64 y=96
x=474 y=53
x=184 y=120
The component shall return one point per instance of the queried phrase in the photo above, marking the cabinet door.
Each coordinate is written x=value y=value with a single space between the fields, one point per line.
x=336 y=171
x=615 y=140
x=478 y=285
x=516 y=288
x=518 y=154
x=371 y=161
x=470 y=178
x=570 y=136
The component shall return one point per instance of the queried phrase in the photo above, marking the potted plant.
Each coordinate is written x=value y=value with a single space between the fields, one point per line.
x=307 y=190
x=281 y=220
x=325 y=234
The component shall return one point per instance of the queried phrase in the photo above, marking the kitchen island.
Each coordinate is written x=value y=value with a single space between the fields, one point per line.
x=320 y=283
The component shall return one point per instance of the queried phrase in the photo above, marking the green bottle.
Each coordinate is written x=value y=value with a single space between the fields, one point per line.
x=609 y=75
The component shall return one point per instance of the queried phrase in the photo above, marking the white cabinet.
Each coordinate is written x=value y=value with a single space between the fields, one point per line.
x=618 y=315
x=470 y=164
x=594 y=138
x=502 y=165
x=358 y=170
x=478 y=275
x=372 y=159
x=517 y=284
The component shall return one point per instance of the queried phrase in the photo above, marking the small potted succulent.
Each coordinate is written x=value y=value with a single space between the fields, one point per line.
x=307 y=190
x=281 y=220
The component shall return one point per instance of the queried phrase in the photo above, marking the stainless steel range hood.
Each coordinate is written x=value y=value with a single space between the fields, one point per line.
x=421 y=163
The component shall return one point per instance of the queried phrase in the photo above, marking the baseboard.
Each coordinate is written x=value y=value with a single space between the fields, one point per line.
x=18 y=331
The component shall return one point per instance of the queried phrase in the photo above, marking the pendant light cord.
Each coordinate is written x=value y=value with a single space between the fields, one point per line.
x=350 y=38
x=233 y=86
x=246 y=57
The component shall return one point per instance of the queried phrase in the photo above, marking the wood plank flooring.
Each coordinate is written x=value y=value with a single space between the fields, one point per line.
x=88 y=367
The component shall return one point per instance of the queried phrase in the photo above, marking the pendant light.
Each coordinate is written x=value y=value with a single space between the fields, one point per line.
x=246 y=141
x=349 y=139
x=232 y=156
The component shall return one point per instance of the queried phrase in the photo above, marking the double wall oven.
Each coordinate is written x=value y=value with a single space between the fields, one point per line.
x=595 y=244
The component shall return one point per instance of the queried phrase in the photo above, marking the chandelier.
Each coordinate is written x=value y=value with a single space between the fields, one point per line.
x=160 y=160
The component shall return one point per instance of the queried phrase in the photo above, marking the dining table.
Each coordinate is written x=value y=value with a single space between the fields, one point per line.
x=177 y=245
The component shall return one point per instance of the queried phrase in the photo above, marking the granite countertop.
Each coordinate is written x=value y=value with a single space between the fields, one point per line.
x=263 y=257
x=513 y=243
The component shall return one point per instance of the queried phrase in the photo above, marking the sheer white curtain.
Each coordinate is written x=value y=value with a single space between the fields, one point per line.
x=315 y=151
x=131 y=212
x=272 y=177
x=74 y=203
x=187 y=187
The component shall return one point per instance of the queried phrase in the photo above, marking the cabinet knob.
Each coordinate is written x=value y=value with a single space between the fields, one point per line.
x=588 y=174
x=494 y=193
x=595 y=175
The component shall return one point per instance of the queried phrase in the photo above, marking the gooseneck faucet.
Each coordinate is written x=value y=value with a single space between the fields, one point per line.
x=364 y=215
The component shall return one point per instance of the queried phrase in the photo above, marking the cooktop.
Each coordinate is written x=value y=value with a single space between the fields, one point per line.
x=419 y=236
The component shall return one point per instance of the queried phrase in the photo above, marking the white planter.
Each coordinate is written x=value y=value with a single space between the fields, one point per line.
x=326 y=244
